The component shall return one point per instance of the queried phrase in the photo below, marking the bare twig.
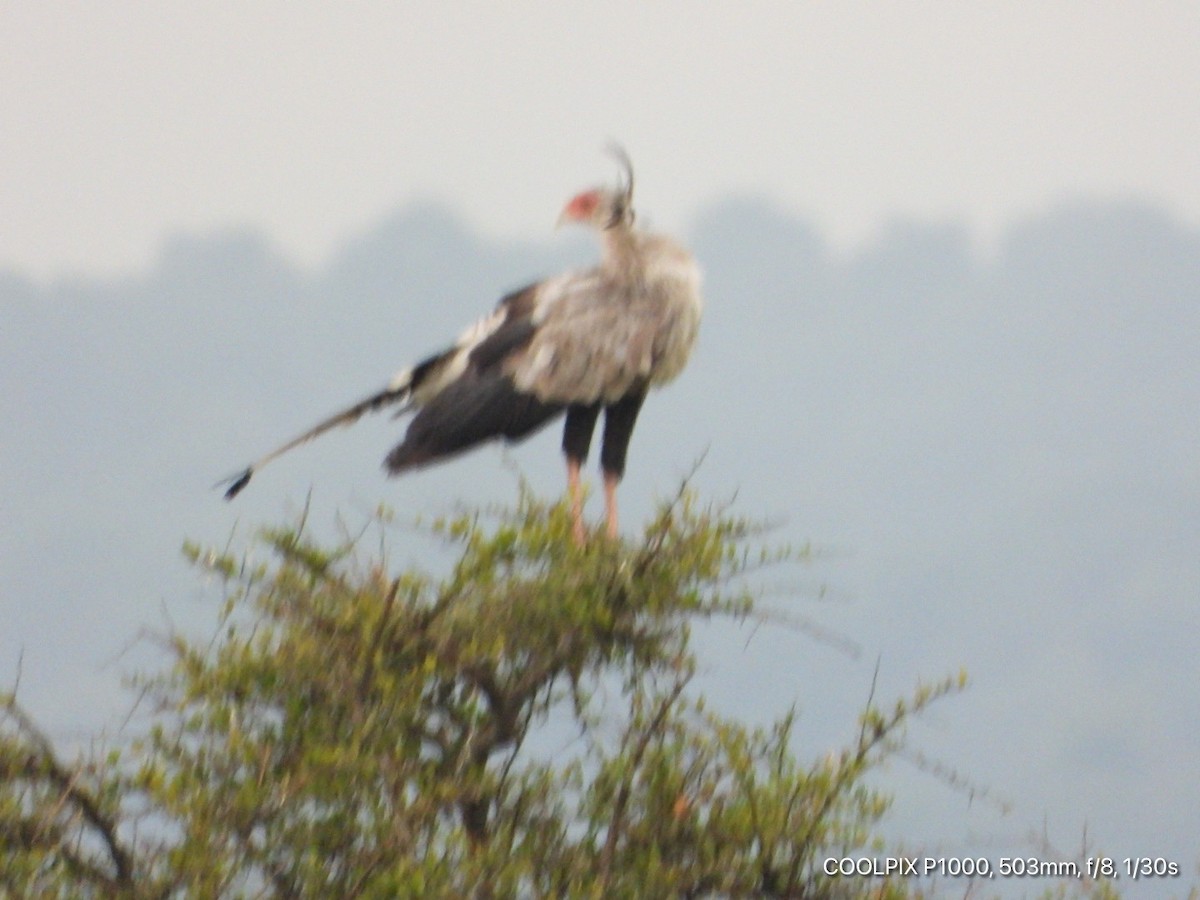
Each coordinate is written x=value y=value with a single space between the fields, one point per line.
x=44 y=763
x=622 y=800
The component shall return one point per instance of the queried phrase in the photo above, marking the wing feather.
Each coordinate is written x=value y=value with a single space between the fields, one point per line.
x=595 y=344
x=604 y=333
x=478 y=407
x=484 y=344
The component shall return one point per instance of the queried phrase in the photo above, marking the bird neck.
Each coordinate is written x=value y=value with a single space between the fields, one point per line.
x=619 y=249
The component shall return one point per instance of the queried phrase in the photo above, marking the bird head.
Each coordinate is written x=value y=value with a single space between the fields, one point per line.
x=604 y=208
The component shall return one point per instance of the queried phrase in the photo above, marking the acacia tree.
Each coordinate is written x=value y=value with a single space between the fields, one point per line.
x=359 y=732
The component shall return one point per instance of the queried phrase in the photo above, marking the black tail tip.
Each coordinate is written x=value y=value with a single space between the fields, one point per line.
x=238 y=483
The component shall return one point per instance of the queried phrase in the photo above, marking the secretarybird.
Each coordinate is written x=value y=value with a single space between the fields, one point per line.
x=584 y=341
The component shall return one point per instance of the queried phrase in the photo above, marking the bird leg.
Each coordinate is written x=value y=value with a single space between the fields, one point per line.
x=577 y=435
x=574 y=492
x=611 y=480
x=619 y=419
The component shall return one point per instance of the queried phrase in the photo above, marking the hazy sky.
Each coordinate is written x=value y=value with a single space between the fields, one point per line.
x=121 y=122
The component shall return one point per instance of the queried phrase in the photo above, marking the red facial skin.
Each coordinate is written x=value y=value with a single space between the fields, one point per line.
x=582 y=207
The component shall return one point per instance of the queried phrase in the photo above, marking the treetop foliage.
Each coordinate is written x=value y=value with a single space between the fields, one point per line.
x=354 y=730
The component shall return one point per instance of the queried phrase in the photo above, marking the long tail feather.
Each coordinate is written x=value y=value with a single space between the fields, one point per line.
x=396 y=392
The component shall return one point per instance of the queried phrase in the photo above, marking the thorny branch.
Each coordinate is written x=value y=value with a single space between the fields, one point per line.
x=622 y=799
x=42 y=763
